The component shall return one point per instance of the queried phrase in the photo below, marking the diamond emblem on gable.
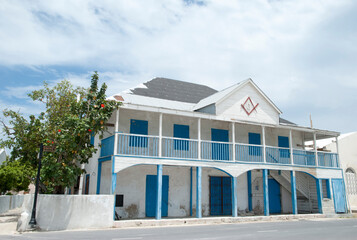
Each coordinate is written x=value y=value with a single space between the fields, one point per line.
x=248 y=106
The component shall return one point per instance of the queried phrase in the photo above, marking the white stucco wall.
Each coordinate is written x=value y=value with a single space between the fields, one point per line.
x=63 y=212
x=131 y=182
x=348 y=158
x=106 y=177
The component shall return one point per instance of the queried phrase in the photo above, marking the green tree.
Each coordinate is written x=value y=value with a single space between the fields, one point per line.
x=14 y=176
x=67 y=124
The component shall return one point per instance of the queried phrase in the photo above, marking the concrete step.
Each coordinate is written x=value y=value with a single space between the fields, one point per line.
x=9 y=219
x=8 y=228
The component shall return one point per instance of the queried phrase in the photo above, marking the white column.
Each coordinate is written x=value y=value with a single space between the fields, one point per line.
x=116 y=130
x=264 y=146
x=233 y=142
x=315 y=149
x=199 y=137
x=160 y=135
x=291 y=147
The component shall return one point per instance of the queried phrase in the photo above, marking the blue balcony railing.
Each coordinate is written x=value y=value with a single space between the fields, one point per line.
x=138 y=145
x=107 y=148
x=278 y=155
x=249 y=153
x=328 y=159
x=304 y=158
x=182 y=148
x=179 y=148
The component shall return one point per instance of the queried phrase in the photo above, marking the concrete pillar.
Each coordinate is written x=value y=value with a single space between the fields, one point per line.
x=159 y=192
x=250 y=199
x=319 y=194
x=293 y=192
x=266 y=192
x=199 y=192
x=234 y=197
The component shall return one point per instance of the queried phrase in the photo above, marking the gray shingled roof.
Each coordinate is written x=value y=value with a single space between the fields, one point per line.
x=284 y=121
x=174 y=90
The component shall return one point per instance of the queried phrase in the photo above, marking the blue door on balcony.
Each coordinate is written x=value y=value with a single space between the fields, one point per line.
x=254 y=138
x=138 y=127
x=274 y=196
x=220 y=151
x=339 y=195
x=151 y=195
x=220 y=196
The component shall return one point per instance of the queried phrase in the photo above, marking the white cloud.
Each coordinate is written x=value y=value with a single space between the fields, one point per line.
x=301 y=53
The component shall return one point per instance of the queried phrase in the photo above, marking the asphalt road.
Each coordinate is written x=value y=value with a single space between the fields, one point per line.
x=342 y=229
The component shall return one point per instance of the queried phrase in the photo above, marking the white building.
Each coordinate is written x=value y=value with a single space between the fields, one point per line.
x=347 y=144
x=2 y=156
x=211 y=153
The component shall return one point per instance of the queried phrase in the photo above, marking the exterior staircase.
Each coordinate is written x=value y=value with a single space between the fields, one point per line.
x=8 y=221
x=283 y=178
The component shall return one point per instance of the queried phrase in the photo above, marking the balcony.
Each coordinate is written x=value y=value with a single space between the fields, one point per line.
x=193 y=149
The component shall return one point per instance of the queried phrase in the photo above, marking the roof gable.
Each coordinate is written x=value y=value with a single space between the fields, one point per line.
x=226 y=93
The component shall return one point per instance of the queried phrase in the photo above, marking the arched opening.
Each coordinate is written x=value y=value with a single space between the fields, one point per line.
x=136 y=192
x=351 y=181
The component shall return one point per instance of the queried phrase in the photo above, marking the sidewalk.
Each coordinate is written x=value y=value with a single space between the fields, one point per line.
x=222 y=220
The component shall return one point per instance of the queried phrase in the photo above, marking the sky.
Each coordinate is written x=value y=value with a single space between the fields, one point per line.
x=302 y=54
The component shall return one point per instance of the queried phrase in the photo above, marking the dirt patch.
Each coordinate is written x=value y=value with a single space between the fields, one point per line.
x=132 y=211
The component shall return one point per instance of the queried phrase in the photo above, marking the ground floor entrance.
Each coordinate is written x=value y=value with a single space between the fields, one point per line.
x=220 y=196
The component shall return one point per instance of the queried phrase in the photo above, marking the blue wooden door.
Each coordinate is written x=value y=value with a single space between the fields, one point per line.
x=254 y=138
x=339 y=195
x=220 y=196
x=220 y=151
x=151 y=194
x=274 y=196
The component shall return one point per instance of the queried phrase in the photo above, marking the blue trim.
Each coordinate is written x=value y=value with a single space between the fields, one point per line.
x=344 y=187
x=104 y=159
x=191 y=191
x=159 y=192
x=266 y=192
x=99 y=176
x=92 y=138
x=293 y=192
x=344 y=194
x=222 y=161
x=319 y=194
x=328 y=188
x=234 y=197
x=249 y=183
x=198 y=192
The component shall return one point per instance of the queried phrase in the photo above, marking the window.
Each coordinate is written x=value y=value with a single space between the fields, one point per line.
x=283 y=142
x=351 y=181
x=86 y=186
x=139 y=127
x=119 y=200
x=326 y=188
x=254 y=138
x=181 y=131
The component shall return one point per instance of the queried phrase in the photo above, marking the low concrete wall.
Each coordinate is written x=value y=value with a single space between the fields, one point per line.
x=62 y=212
x=9 y=202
